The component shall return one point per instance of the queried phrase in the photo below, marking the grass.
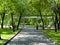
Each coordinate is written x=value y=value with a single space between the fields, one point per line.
x=6 y=34
x=53 y=35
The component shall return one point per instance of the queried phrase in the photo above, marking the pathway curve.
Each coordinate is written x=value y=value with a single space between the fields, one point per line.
x=30 y=36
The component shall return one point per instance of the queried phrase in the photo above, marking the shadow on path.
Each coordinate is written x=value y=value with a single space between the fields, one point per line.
x=30 y=36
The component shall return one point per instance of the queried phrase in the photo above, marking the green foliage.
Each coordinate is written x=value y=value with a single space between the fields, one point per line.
x=53 y=35
x=28 y=7
x=6 y=34
x=40 y=5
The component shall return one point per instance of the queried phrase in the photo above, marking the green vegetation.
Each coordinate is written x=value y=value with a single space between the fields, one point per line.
x=53 y=35
x=12 y=11
x=6 y=34
x=9 y=9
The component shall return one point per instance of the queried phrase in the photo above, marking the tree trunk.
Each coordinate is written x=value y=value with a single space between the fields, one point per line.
x=13 y=25
x=18 y=22
x=56 y=23
x=42 y=20
x=59 y=22
x=58 y=6
x=56 y=20
x=2 y=20
x=55 y=27
x=37 y=27
x=0 y=37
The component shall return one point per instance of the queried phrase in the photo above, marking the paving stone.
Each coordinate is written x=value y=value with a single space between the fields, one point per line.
x=31 y=36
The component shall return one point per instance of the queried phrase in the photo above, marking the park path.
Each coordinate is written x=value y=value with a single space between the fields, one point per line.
x=31 y=36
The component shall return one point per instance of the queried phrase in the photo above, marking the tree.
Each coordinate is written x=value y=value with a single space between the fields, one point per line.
x=20 y=11
x=40 y=6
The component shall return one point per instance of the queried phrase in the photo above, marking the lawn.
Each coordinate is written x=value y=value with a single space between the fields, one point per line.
x=6 y=34
x=53 y=35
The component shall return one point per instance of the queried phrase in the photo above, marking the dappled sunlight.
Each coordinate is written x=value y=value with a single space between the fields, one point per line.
x=29 y=17
x=6 y=34
x=3 y=40
x=37 y=43
x=30 y=37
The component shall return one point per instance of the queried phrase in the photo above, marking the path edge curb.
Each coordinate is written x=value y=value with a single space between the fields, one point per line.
x=5 y=43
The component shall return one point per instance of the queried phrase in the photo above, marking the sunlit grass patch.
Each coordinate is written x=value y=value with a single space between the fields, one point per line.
x=6 y=34
x=53 y=35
